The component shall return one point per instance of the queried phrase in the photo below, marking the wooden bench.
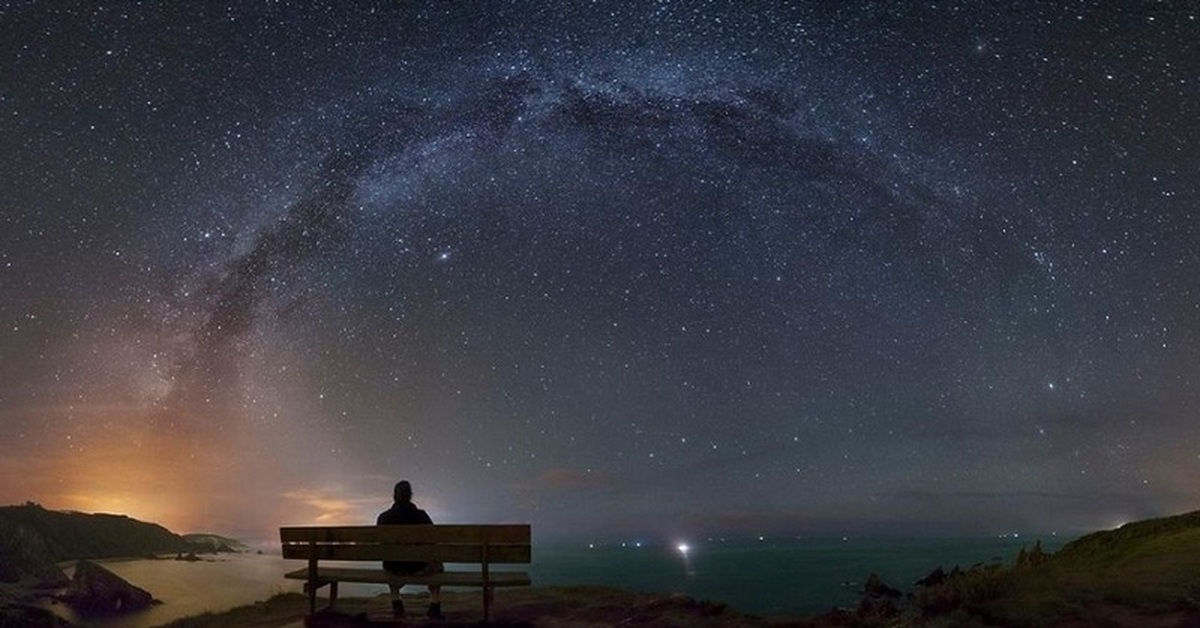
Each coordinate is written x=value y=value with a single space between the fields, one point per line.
x=469 y=551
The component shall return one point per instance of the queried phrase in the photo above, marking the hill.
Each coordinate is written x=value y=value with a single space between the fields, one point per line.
x=76 y=535
x=1141 y=574
x=32 y=539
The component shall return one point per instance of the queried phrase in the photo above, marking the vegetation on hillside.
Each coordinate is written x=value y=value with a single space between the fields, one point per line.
x=75 y=535
x=1142 y=574
x=33 y=539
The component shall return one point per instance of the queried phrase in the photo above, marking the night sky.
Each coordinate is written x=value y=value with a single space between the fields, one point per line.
x=653 y=269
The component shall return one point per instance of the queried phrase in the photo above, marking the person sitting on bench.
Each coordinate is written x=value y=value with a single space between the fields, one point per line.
x=403 y=511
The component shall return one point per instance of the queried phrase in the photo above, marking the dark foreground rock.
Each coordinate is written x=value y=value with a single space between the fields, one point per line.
x=24 y=616
x=25 y=558
x=20 y=607
x=94 y=589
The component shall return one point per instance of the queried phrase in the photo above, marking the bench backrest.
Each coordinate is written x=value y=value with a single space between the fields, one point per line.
x=490 y=543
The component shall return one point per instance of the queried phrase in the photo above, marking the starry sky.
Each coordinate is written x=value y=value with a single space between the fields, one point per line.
x=611 y=268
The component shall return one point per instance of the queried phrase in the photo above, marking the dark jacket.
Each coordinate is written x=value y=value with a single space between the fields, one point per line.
x=402 y=513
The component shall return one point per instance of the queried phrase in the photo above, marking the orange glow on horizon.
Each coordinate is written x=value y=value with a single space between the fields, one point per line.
x=215 y=482
x=145 y=480
x=131 y=467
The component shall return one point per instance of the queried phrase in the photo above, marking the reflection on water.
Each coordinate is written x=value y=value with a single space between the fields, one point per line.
x=216 y=583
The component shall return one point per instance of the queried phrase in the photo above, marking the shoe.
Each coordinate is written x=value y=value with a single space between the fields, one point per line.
x=435 y=610
x=397 y=609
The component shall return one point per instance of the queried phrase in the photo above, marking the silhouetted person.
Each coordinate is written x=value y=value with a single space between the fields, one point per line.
x=402 y=512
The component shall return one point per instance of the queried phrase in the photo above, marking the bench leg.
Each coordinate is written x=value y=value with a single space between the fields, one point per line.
x=312 y=585
x=333 y=586
x=487 y=603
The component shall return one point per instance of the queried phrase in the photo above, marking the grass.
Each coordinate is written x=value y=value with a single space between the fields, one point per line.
x=1140 y=574
x=279 y=610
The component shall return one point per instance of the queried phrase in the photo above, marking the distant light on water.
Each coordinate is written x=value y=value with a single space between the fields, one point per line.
x=793 y=576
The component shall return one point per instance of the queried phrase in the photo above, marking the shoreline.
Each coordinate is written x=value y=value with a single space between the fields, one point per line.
x=718 y=570
x=1142 y=574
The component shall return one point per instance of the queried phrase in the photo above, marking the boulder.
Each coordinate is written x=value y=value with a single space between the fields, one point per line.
x=94 y=589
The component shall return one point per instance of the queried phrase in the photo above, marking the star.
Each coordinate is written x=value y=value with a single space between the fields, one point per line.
x=487 y=247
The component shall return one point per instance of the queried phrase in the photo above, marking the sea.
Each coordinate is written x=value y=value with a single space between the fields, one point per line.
x=762 y=576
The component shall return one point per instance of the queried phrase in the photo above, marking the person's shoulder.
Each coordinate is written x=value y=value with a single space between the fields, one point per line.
x=387 y=516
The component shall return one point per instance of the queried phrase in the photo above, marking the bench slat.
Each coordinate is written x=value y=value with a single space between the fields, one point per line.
x=421 y=553
x=454 y=533
x=448 y=578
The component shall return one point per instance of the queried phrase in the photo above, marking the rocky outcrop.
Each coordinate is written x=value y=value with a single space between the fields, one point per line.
x=933 y=578
x=25 y=558
x=214 y=544
x=94 y=589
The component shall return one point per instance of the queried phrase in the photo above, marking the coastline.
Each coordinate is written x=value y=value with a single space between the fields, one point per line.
x=1141 y=574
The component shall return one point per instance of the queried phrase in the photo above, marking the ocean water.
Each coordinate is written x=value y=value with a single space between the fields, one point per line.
x=765 y=577
x=769 y=576
x=216 y=583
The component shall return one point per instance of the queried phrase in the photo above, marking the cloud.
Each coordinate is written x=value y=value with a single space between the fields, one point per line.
x=328 y=505
x=571 y=479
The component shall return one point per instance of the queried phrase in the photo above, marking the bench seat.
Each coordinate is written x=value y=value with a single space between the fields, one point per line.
x=445 y=578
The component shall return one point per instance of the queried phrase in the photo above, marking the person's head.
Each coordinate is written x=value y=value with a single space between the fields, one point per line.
x=402 y=492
